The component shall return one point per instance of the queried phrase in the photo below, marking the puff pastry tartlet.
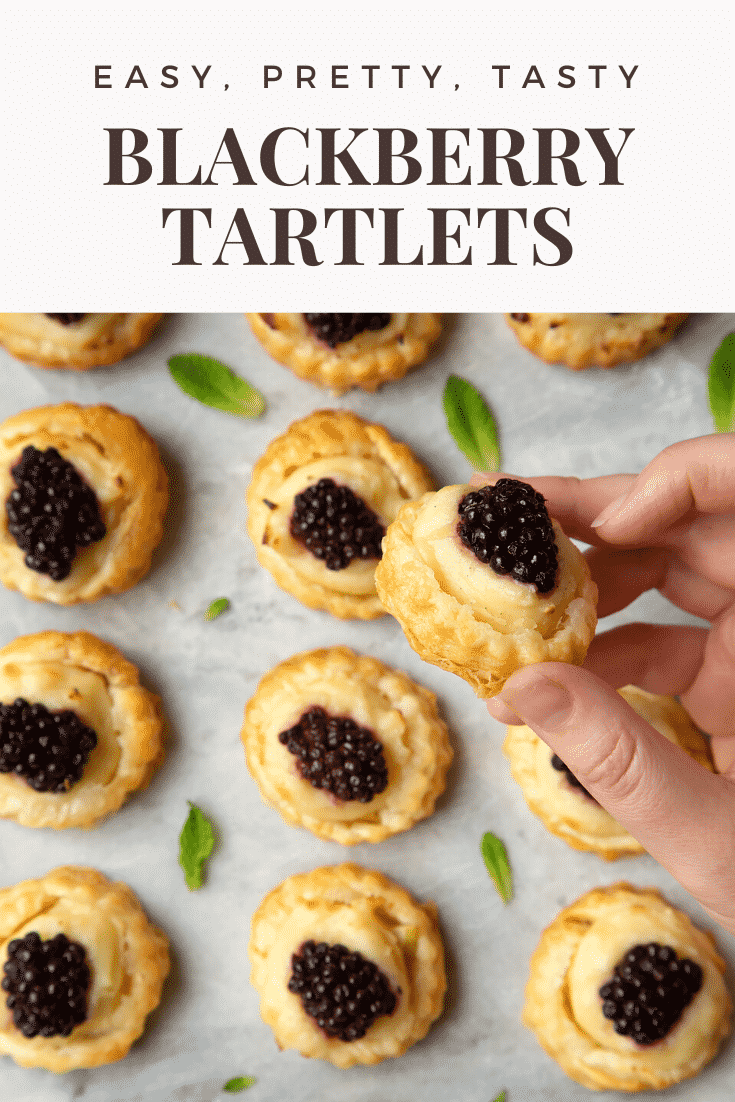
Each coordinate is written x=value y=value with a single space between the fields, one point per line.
x=319 y=501
x=76 y=341
x=84 y=494
x=458 y=612
x=593 y=340
x=78 y=732
x=583 y=995
x=387 y=948
x=77 y=924
x=341 y=351
x=346 y=746
x=562 y=804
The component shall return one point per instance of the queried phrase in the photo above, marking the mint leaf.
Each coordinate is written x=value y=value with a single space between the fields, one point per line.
x=196 y=842
x=240 y=1083
x=471 y=424
x=501 y=1097
x=721 y=385
x=216 y=385
x=217 y=608
x=496 y=863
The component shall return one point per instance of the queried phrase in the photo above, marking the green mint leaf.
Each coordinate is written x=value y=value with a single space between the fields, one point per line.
x=471 y=424
x=721 y=385
x=217 y=608
x=216 y=385
x=496 y=862
x=500 y=1098
x=239 y=1083
x=196 y=842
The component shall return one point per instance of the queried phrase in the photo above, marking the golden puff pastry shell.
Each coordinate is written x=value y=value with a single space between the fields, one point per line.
x=95 y=340
x=355 y=453
x=402 y=715
x=577 y=954
x=369 y=914
x=127 y=956
x=459 y=615
x=568 y=813
x=368 y=360
x=599 y=340
x=119 y=460
x=92 y=678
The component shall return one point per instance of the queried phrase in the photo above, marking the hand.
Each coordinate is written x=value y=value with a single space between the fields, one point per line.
x=671 y=528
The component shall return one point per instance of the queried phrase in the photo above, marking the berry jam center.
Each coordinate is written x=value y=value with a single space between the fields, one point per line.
x=508 y=527
x=49 y=750
x=52 y=512
x=333 y=753
x=335 y=525
x=559 y=765
x=66 y=319
x=342 y=991
x=335 y=329
x=47 y=984
x=649 y=991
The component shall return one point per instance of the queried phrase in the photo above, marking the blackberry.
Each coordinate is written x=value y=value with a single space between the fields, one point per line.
x=335 y=525
x=49 y=750
x=342 y=991
x=335 y=329
x=66 y=319
x=508 y=527
x=520 y=317
x=559 y=765
x=650 y=989
x=47 y=984
x=332 y=752
x=52 y=512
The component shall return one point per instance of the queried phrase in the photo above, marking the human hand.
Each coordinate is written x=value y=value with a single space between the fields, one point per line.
x=670 y=528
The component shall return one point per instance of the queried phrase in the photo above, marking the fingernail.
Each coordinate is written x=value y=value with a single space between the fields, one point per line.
x=609 y=511
x=540 y=703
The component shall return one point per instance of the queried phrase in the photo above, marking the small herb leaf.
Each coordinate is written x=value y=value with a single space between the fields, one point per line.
x=216 y=385
x=217 y=608
x=496 y=862
x=196 y=842
x=501 y=1097
x=721 y=385
x=240 y=1083
x=471 y=424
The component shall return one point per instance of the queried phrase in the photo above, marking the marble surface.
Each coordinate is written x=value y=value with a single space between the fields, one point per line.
x=207 y=1028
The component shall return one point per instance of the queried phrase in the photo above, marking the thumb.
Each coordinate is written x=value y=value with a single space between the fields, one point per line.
x=683 y=814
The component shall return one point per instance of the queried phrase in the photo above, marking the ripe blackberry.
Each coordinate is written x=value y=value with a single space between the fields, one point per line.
x=650 y=989
x=342 y=991
x=49 y=750
x=335 y=524
x=52 y=512
x=335 y=329
x=332 y=752
x=520 y=317
x=559 y=765
x=66 y=319
x=47 y=984
x=507 y=526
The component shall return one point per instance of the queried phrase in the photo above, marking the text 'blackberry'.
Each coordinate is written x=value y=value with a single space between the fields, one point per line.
x=333 y=753
x=508 y=527
x=52 y=512
x=342 y=991
x=335 y=525
x=47 y=984
x=650 y=989
x=49 y=750
x=335 y=329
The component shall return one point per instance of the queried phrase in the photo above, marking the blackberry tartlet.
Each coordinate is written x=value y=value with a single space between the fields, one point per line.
x=82 y=968
x=84 y=493
x=563 y=806
x=385 y=947
x=593 y=340
x=625 y=993
x=76 y=341
x=483 y=582
x=341 y=351
x=319 y=502
x=345 y=746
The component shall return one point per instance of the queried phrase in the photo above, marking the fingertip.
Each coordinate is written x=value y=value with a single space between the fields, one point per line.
x=500 y=711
